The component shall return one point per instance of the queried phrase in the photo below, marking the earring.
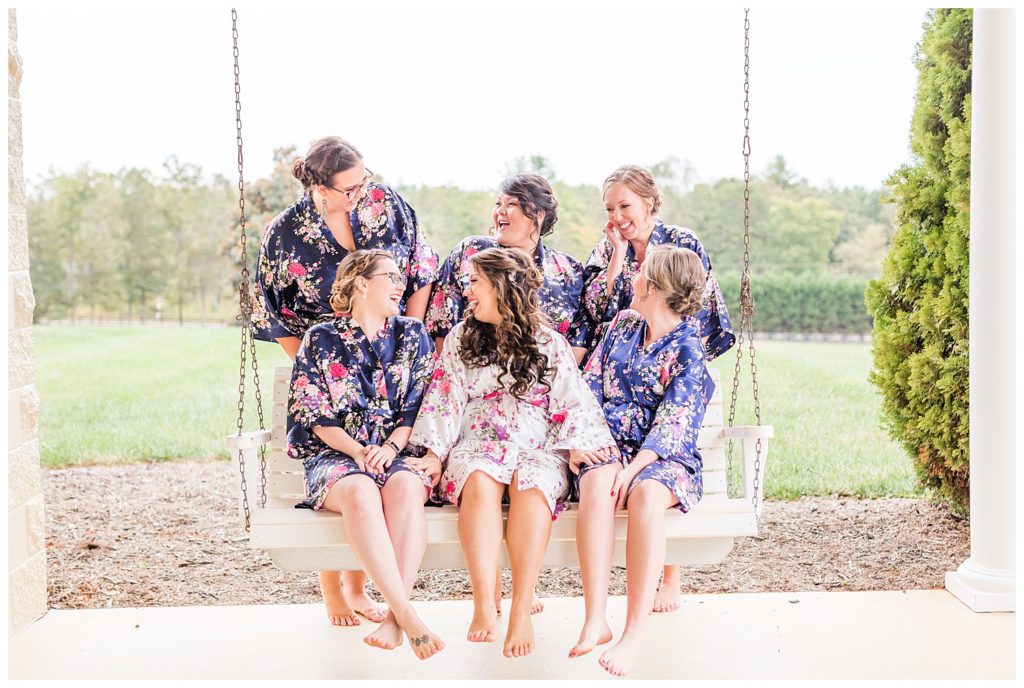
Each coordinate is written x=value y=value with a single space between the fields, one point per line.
x=324 y=206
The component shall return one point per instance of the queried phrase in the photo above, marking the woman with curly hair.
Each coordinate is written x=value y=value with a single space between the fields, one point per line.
x=649 y=375
x=356 y=388
x=506 y=409
x=341 y=210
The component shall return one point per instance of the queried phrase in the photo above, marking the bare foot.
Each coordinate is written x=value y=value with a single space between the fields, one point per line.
x=481 y=628
x=338 y=610
x=592 y=635
x=667 y=599
x=537 y=606
x=388 y=635
x=364 y=606
x=497 y=593
x=619 y=660
x=424 y=643
x=519 y=639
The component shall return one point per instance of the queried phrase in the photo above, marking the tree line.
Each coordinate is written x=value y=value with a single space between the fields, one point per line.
x=140 y=245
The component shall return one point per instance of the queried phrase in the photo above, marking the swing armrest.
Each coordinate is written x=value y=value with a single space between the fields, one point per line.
x=748 y=432
x=248 y=440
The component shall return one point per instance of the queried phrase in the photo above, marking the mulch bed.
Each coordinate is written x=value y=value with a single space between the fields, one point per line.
x=168 y=534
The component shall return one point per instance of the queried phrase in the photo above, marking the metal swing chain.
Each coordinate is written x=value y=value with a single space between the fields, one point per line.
x=245 y=303
x=746 y=298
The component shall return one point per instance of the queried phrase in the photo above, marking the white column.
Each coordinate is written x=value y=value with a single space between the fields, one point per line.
x=986 y=581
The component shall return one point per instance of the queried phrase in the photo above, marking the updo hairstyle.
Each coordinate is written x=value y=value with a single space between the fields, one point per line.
x=361 y=263
x=323 y=160
x=678 y=275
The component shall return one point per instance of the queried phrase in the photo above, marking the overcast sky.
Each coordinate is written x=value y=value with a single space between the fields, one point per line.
x=445 y=92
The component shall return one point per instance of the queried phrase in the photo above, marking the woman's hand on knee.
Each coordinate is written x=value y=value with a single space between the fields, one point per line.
x=579 y=458
x=429 y=466
x=377 y=459
x=620 y=487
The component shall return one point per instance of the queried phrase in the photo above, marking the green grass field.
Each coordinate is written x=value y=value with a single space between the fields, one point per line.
x=153 y=394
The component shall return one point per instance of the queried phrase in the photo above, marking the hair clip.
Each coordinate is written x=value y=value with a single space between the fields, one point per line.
x=513 y=279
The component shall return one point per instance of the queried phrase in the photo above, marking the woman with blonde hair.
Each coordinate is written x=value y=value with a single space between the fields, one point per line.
x=342 y=209
x=356 y=388
x=632 y=202
x=506 y=410
x=648 y=373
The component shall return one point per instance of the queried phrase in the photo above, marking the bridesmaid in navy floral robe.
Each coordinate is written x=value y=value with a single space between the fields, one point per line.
x=648 y=372
x=632 y=202
x=525 y=212
x=356 y=389
x=303 y=246
x=342 y=210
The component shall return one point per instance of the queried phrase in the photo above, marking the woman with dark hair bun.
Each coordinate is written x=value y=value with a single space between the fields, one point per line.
x=525 y=212
x=341 y=210
x=506 y=410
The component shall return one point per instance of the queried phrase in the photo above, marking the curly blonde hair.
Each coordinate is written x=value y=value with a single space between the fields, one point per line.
x=361 y=263
x=512 y=344
x=678 y=275
x=639 y=181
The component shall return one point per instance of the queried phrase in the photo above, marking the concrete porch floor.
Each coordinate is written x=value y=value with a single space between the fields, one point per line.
x=912 y=635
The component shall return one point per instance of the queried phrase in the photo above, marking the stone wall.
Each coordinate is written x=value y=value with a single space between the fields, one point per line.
x=26 y=584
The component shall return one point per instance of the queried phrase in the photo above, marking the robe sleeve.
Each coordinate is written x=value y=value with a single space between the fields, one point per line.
x=439 y=421
x=309 y=401
x=673 y=434
x=577 y=421
x=422 y=257
x=447 y=302
x=422 y=367
x=595 y=293
x=267 y=322
x=714 y=318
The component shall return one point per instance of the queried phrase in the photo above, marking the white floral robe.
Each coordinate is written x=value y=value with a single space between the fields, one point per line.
x=474 y=424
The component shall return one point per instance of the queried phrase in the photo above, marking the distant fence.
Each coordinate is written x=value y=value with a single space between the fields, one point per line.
x=135 y=322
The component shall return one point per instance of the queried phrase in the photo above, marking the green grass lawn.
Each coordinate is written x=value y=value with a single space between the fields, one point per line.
x=153 y=394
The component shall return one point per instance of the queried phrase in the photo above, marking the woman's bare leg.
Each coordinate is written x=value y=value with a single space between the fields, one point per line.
x=595 y=544
x=359 y=499
x=667 y=599
x=645 y=556
x=402 y=496
x=527 y=535
x=480 y=535
x=536 y=607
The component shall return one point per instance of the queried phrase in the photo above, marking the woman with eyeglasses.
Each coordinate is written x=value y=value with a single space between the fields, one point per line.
x=356 y=387
x=506 y=410
x=341 y=210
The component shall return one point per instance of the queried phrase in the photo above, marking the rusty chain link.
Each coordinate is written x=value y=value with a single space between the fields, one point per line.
x=746 y=327
x=245 y=303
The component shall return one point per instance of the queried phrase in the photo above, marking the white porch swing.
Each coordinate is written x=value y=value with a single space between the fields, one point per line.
x=307 y=540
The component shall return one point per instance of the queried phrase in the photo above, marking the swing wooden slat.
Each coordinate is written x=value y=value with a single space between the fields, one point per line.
x=306 y=540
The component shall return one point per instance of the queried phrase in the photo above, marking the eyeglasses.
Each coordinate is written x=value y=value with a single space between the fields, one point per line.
x=395 y=277
x=353 y=191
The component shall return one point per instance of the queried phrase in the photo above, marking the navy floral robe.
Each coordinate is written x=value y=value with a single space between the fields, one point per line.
x=559 y=297
x=342 y=379
x=654 y=399
x=299 y=259
x=713 y=317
